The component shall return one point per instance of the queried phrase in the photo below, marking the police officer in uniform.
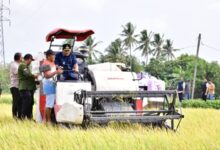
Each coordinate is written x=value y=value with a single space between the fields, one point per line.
x=27 y=86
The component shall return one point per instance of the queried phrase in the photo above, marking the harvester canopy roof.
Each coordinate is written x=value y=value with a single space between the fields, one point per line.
x=60 y=33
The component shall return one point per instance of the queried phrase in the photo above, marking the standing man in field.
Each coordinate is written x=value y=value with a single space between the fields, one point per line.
x=49 y=87
x=211 y=90
x=204 y=87
x=187 y=90
x=67 y=60
x=16 y=100
x=26 y=86
x=180 y=88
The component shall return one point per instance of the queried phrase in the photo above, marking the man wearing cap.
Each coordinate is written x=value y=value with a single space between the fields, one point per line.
x=26 y=86
x=67 y=60
x=49 y=82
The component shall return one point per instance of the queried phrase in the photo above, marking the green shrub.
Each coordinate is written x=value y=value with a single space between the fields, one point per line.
x=201 y=104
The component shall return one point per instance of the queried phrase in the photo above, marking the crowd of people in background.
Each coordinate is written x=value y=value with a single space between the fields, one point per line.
x=184 y=89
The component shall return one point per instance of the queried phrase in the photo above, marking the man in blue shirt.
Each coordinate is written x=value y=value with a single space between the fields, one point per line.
x=67 y=61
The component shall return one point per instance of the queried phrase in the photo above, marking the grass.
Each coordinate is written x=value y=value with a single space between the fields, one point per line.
x=201 y=104
x=200 y=129
x=6 y=99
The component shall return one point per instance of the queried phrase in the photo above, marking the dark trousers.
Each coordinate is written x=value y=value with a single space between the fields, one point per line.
x=180 y=96
x=27 y=97
x=204 y=96
x=16 y=102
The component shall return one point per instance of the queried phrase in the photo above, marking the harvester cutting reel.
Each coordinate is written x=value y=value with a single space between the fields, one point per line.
x=122 y=106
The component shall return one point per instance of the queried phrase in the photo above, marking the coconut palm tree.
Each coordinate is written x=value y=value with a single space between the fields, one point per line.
x=168 y=50
x=91 y=45
x=129 y=36
x=157 y=45
x=144 y=44
x=102 y=58
x=115 y=52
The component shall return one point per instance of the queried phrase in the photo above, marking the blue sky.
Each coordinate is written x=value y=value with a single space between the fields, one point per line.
x=180 y=21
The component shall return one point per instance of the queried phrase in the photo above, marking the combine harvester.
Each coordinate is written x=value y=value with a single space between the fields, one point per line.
x=106 y=92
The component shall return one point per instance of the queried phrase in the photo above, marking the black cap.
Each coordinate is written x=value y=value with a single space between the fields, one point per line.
x=66 y=46
x=49 y=52
x=28 y=56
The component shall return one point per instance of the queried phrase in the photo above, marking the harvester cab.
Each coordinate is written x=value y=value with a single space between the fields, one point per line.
x=106 y=92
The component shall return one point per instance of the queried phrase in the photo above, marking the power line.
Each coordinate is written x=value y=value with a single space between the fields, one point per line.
x=211 y=47
x=187 y=47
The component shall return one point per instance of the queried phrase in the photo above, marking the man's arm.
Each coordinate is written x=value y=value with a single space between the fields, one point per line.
x=49 y=74
x=184 y=86
x=57 y=58
x=14 y=69
x=75 y=65
x=207 y=89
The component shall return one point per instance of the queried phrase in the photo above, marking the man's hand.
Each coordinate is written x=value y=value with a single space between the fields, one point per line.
x=76 y=70
x=35 y=75
x=59 y=71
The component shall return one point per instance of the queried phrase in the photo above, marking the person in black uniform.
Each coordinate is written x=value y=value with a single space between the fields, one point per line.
x=181 y=88
x=204 y=87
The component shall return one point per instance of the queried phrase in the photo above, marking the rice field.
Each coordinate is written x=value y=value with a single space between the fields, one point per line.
x=200 y=129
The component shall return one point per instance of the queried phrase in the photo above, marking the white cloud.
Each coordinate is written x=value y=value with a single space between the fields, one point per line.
x=158 y=25
x=181 y=21
x=20 y=2
x=94 y=5
x=214 y=6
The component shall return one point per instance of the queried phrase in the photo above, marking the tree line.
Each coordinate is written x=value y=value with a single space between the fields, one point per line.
x=162 y=64
x=122 y=48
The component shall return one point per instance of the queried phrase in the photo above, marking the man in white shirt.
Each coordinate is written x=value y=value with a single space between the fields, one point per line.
x=16 y=100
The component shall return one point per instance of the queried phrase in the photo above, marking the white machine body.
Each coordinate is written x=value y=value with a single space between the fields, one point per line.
x=66 y=109
x=109 y=77
x=115 y=81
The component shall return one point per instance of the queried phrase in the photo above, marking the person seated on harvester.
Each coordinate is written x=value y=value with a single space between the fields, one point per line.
x=67 y=61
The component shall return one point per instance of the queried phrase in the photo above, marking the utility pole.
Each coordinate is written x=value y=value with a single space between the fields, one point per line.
x=2 y=19
x=196 y=62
